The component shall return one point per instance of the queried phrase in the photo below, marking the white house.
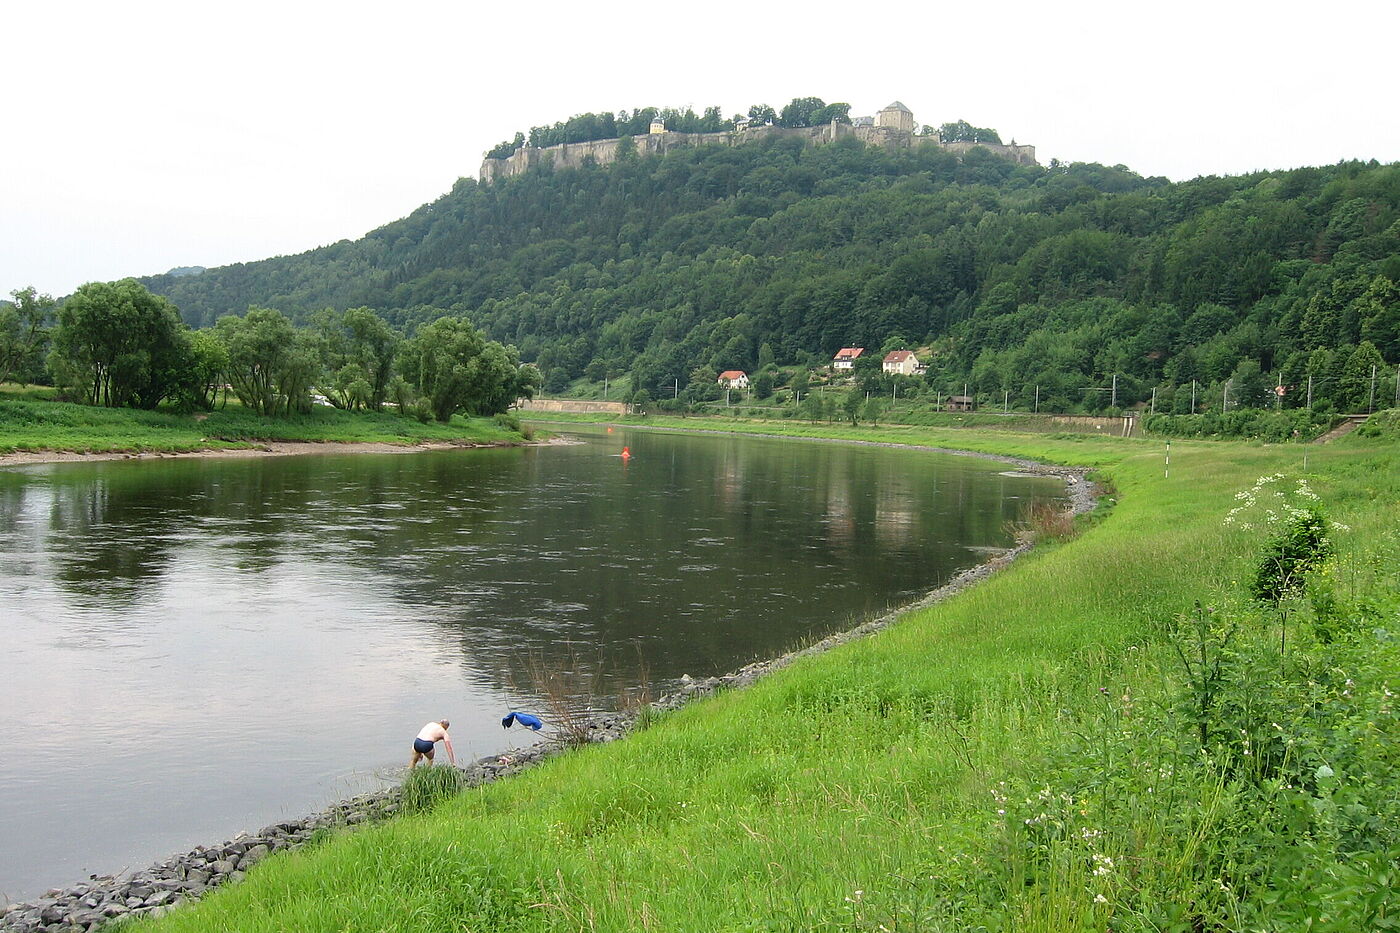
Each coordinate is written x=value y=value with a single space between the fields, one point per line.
x=845 y=357
x=734 y=379
x=902 y=362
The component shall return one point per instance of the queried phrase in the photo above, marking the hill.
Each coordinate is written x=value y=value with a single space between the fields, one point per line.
x=1018 y=276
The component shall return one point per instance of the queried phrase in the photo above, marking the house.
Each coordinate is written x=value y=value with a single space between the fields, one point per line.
x=845 y=357
x=734 y=379
x=961 y=403
x=903 y=362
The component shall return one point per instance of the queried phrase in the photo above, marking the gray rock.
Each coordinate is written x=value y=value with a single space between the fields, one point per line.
x=254 y=855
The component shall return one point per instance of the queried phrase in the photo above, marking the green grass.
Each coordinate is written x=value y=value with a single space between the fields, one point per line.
x=49 y=425
x=861 y=790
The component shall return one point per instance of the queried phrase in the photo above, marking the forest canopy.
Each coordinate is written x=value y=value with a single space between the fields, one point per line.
x=1020 y=279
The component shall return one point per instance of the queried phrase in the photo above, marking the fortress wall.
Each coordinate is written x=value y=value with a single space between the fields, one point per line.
x=604 y=151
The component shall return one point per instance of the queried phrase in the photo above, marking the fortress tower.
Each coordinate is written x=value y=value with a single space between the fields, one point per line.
x=897 y=117
x=657 y=125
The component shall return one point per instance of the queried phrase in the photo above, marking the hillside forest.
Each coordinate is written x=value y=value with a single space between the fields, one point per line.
x=1023 y=284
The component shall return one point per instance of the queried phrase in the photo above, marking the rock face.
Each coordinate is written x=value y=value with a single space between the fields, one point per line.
x=84 y=907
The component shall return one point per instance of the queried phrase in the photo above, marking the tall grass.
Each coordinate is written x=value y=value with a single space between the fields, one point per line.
x=1015 y=758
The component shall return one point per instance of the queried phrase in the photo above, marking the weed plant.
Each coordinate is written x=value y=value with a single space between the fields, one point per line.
x=426 y=787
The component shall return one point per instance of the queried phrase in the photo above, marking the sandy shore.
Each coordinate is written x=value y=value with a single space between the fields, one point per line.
x=262 y=449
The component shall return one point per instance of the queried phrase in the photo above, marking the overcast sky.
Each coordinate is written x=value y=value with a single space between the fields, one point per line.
x=141 y=136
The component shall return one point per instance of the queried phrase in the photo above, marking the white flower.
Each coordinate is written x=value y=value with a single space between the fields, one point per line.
x=1100 y=899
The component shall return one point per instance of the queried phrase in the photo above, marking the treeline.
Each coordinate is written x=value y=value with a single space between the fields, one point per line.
x=1083 y=286
x=118 y=345
x=585 y=127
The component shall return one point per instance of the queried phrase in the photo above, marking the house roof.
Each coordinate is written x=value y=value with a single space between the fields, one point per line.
x=899 y=356
x=731 y=374
x=848 y=353
x=897 y=106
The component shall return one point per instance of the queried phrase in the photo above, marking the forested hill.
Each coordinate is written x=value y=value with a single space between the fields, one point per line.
x=1017 y=276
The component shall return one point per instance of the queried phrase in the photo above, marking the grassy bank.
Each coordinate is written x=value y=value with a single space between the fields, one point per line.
x=1072 y=745
x=35 y=424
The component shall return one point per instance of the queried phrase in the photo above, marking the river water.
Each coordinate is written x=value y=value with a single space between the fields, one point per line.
x=193 y=648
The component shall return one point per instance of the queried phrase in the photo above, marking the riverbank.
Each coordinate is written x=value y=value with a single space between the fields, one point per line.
x=41 y=431
x=1017 y=757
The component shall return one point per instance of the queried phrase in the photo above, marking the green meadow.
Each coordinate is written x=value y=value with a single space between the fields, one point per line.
x=30 y=422
x=1112 y=734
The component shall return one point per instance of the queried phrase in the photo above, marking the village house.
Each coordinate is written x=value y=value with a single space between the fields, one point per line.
x=845 y=357
x=734 y=379
x=961 y=403
x=902 y=362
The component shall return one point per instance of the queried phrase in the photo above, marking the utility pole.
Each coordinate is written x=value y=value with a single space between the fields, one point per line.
x=1225 y=397
x=1005 y=395
x=1113 y=403
x=1154 y=401
x=677 y=393
x=605 y=387
x=1037 y=398
x=1309 y=391
x=1193 y=396
x=1371 y=403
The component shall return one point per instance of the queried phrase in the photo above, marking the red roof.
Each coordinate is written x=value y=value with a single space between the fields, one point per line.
x=848 y=353
x=731 y=374
x=898 y=356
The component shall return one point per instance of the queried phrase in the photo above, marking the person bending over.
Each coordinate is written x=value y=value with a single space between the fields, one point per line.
x=428 y=737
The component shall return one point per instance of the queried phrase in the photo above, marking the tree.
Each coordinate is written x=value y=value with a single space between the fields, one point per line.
x=800 y=111
x=851 y=405
x=23 y=333
x=874 y=408
x=118 y=345
x=1362 y=369
x=963 y=132
x=271 y=365
x=1379 y=312
x=762 y=115
x=357 y=357
x=763 y=384
x=209 y=362
x=457 y=370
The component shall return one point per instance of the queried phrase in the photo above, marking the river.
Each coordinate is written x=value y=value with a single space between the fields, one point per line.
x=196 y=647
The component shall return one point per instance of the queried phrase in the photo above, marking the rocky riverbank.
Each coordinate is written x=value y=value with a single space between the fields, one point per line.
x=84 y=907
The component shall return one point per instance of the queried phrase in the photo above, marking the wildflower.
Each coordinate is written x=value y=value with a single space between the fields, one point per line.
x=1100 y=899
x=1103 y=865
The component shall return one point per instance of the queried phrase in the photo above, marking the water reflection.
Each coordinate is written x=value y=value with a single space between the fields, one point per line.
x=217 y=643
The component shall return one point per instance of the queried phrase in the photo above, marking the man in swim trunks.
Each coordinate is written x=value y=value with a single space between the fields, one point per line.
x=428 y=737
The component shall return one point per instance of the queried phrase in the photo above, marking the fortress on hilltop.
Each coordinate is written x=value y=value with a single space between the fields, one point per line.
x=892 y=128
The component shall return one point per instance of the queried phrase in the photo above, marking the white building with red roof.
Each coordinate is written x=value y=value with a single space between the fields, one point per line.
x=902 y=362
x=845 y=357
x=734 y=379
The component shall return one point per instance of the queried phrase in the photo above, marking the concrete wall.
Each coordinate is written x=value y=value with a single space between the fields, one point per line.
x=572 y=404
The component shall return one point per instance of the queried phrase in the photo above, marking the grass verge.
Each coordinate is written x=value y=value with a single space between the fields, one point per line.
x=1106 y=736
x=48 y=425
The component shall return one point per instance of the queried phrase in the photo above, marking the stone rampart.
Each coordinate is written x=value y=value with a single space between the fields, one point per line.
x=605 y=151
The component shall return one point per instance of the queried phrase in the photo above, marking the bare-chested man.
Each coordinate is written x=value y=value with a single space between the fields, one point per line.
x=428 y=737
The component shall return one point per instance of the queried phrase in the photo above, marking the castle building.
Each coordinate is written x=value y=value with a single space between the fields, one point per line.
x=657 y=124
x=896 y=116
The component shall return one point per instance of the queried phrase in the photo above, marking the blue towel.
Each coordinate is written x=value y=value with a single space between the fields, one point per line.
x=525 y=719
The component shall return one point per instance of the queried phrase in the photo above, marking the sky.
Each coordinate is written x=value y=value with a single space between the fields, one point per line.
x=141 y=136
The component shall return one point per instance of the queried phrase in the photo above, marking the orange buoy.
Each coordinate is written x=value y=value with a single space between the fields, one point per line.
x=626 y=454
x=609 y=430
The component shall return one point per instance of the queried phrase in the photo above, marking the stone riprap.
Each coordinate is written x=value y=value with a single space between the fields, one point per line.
x=155 y=890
